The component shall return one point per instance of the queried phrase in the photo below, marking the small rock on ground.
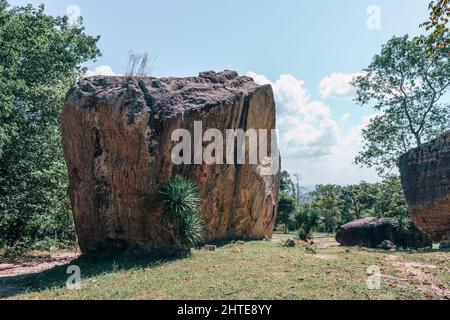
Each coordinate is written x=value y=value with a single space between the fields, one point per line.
x=388 y=245
x=445 y=242
x=209 y=248
x=290 y=243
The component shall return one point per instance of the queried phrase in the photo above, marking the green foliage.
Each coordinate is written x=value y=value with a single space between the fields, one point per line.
x=287 y=206
x=326 y=200
x=179 y=197
x=40 y=57
x=402 y=224
x=356 y=201
x=191 y=229
x=439 y=39
x=305 y=220
x=405 y=84
x=303 y=235
x=295 y=215
x=181 y=201
x=389 y=199
x=305 y=217
x=286 y=184
x=332 y=206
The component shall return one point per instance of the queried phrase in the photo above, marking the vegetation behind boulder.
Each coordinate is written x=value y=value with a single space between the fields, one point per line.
x=329 y=206
x=40 y=58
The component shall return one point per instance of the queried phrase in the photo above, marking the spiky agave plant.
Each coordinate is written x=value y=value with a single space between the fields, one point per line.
x=181 y=201
x=402 y=224
x=192 y=230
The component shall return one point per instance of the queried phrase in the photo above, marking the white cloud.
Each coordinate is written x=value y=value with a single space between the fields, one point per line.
x=338 y=85
x=345 y=117
x=337 y=166
x=311 y=141
x=101 y=71
x=305 y=126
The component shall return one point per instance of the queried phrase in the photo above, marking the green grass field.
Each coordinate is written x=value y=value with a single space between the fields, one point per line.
x=255 y=270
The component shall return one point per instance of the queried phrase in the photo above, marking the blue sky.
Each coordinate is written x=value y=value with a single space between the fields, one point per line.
x=308 y=50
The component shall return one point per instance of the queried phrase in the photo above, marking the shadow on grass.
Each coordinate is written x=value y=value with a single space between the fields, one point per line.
x=229 y=242
x=90 y=266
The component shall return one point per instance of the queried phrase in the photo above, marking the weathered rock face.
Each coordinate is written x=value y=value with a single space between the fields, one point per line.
x=371 y=232
x=425 y=175
x=117 y=144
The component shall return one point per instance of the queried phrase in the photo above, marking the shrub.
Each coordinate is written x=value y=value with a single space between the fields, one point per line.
x=181 y=201
x=306 y=219
x=402 y=224
x=303 y=235
x=15 y=252
x=287 y=207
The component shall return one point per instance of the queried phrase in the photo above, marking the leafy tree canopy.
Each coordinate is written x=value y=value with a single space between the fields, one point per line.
x=406 y=85
x=438 y=25
x=40 y=57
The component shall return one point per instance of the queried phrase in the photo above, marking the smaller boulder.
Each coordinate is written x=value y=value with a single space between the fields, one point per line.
x=388 y=245
x=445 y=242
x=370 y=232
x=209 y=248
x=290 y=243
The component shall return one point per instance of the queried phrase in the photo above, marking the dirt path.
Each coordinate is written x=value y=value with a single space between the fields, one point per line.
x=420 y=275
x=36 y=265
x=319 y=242
x=326 y=242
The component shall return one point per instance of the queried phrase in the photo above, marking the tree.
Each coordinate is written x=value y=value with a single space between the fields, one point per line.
x=40 y=58
x=300 y=192
x=355 y=201
x=338 y=205
x=406 y=85
x=439 y=38
x=389 y=199
x=286 y=184
x=325 y=200
x=287 y=206
x=305 y=220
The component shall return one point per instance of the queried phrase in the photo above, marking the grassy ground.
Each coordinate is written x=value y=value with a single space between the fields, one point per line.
x=255 y=270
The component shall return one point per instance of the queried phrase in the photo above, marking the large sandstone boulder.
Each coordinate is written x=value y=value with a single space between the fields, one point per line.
x=425 y=175
x=372 y=232
x=117 y=144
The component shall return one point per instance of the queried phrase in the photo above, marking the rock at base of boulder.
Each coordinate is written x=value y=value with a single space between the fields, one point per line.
x=371 y=232
x=445 y=242
x=209 y=248
x=388 y=245
x=290 y=243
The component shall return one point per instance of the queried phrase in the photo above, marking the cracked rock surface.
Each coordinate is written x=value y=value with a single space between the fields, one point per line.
x=117 y=144
x=425 y=175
